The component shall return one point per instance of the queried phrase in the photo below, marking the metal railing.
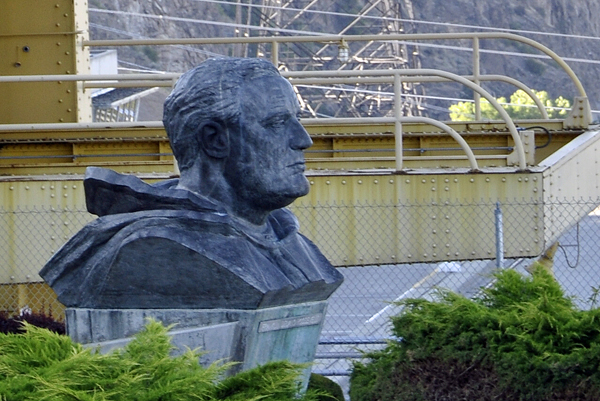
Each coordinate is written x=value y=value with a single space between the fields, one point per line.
x=395 y=77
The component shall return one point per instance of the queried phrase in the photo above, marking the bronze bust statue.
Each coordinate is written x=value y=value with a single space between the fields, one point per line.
x=219 y=236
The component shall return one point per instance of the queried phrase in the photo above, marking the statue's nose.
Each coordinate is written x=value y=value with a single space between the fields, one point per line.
x=300 y=138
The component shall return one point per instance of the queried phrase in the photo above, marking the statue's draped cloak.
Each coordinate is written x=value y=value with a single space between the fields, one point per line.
x=156 y=246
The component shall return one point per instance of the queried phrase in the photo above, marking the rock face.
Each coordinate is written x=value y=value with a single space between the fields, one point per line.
x=576 y=19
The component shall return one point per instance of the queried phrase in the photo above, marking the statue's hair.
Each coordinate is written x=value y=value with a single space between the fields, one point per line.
x=208 y=92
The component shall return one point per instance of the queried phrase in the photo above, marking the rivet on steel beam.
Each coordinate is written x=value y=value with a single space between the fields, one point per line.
x=423 y=181
x=487 y=180
x=472 y=180
x=409 y=256
x=391 y=181
x=456 y=180
x=74 y=186
x=433 y=189
x=446 y=189
x=375 y=182
x=360 y=181
x=43 y=187
x=408 y=181
x=526 y=179
x=26 y=187
x=327 y=182
x=11 y=188
x=446 y=180
x=433 y=180
x=58 y=24
x=393 y=256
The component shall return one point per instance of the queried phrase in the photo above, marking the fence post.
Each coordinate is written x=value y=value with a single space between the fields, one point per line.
x=499 y=237
x=398 y=124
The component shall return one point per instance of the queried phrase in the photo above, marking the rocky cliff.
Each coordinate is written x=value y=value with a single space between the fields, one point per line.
x=577 y=18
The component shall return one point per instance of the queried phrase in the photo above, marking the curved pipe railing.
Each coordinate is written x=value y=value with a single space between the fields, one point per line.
x=276 y=40
x=379 y=80
x=519 y=148
x=395 y=75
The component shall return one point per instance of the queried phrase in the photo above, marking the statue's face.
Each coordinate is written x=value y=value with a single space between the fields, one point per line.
x=266 y=166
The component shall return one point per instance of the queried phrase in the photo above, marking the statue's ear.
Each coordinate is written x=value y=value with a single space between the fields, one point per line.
x=214 y=139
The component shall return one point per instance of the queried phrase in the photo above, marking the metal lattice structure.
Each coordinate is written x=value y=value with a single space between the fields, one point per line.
x=375 y=17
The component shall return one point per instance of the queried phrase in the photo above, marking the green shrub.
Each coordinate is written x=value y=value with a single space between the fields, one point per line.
x=42 y=365
x=330 y=390
x=522 y=340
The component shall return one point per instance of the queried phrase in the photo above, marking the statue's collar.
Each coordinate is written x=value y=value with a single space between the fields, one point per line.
x=108 y=192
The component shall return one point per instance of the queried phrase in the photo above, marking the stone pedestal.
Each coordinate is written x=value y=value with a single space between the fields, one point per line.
x=250 y=337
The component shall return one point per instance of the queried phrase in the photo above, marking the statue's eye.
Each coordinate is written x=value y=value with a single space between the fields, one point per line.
x=277 y=121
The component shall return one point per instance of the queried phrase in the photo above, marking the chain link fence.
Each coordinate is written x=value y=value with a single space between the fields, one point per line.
x=373 y=245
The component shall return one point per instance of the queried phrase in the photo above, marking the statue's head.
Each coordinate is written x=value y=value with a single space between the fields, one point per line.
x=238 y=120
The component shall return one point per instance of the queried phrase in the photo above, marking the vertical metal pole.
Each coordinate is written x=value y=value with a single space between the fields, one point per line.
x=275 y=53
x=476 y=72
x=499 y=237
x=398 y=123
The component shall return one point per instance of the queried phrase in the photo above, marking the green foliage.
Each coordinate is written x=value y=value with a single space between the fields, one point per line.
x=151 y=53
x=331 y=391
x=534 y=66
x=522 y=340
x=520 y=107
x=41 y=365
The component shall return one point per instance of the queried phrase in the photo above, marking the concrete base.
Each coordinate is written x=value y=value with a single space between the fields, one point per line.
x=250 y=337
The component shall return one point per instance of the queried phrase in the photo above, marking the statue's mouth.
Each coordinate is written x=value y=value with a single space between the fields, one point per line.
x=301 y=165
